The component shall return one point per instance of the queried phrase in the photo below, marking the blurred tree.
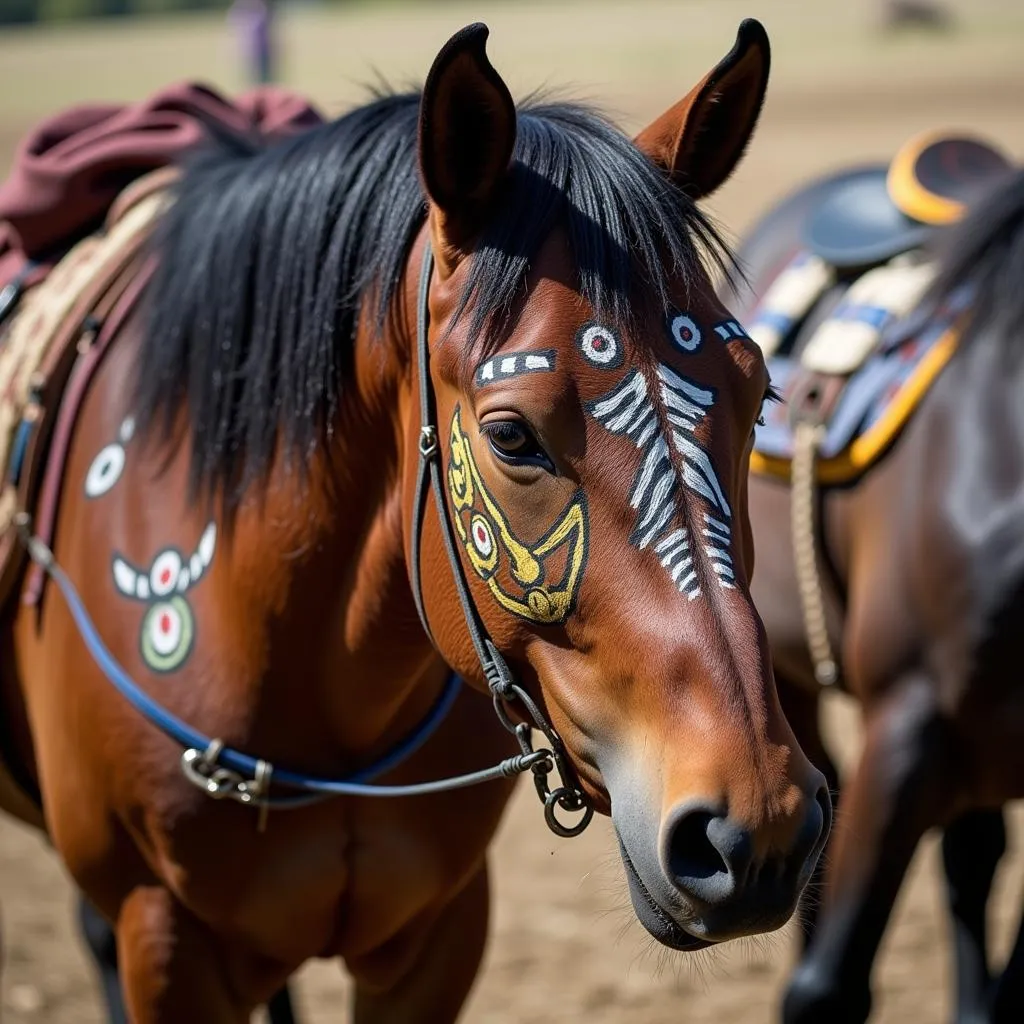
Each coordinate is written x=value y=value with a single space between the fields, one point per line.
x=13 y=12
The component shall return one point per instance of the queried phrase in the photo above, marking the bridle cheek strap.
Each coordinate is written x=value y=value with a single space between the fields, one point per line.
x=502 y=683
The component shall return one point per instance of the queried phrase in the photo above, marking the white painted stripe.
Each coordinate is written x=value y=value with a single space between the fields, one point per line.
x=702 y=396
x=675 y=537
x=657 y=454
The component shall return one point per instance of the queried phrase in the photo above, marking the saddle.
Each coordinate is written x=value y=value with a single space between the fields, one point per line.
x=838 y=325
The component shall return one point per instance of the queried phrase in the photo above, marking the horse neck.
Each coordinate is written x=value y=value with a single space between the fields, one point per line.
x=354 y=619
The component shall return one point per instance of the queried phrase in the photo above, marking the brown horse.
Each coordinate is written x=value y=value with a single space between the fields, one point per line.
x=444 y=354
x=922 y=566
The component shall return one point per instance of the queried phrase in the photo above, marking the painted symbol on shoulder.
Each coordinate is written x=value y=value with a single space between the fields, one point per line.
x=168 y=627
x=106 y=469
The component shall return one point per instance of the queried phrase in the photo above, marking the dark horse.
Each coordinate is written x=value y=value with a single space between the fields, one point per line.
x=925 y=554
x=442 y=355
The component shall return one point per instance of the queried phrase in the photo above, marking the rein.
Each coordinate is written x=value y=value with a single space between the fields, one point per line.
x=222 y=772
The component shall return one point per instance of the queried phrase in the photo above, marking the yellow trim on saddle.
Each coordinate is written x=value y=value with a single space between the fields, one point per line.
x=907 y=192
x=868 y=448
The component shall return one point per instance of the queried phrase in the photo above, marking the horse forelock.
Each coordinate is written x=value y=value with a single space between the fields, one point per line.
x=270 y=258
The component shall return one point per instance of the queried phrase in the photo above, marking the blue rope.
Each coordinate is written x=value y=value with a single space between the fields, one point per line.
x=245 y=765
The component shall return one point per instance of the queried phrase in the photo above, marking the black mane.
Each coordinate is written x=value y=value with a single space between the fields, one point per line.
x=269 y=255
x=985 y=252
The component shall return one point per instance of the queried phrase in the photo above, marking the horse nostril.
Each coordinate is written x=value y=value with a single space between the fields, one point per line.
x=707 y=856
x=823 y=802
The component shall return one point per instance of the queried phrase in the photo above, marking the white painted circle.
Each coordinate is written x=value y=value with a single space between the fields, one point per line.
x=105 y=471
x=600 y=345
x=163 y=576
x=482 y=539
x=165 y=628
x=685 y=333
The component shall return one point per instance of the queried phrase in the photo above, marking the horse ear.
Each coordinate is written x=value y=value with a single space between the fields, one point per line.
x=700 y=140
x=466 y=135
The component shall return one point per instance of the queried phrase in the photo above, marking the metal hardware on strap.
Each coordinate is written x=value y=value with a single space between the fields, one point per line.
x=807 y=438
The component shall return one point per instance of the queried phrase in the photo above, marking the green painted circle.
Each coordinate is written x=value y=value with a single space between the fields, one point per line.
x=167 y=661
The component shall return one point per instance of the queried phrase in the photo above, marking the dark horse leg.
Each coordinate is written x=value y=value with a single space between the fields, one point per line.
x=802 y=707
x=102 y=943
x=972 y=846
x=894 y=797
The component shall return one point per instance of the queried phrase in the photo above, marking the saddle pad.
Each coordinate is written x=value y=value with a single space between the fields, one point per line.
x=874 y=407
x=843 y=343
x=789 y=298
x=49 y=316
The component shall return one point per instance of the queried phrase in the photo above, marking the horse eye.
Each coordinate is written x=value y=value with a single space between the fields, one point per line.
x=513 y=443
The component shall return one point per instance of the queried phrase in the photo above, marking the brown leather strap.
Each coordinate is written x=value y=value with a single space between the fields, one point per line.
x=82 y=373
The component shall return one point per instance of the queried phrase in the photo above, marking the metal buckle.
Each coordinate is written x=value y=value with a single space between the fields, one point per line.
x=428 y=441
x=201 y=769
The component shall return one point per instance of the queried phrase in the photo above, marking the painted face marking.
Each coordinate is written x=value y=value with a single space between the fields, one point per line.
x=487 y=534
x=514 y=365
x=600 y=346
x=684 y=332
x=717 y=549
x=627 y=410
x=730 y=330
x=168 y=627
x=106 y=469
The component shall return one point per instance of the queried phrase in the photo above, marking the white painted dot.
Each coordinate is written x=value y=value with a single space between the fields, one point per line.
x=105 y=471
x=163 y=574
x=127 y=431
x=165 y=628
x=125 y=577
x=207 y=543
x=184 y=579
x=142 y=587
x=508 y=364
x=537 y=363
x=685 y=333
x=482 y=539
x=487 y=373
x=600 y=345
x=195 y=567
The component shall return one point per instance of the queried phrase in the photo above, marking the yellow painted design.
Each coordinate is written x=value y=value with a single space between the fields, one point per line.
x=541 y=602
x=868 y=448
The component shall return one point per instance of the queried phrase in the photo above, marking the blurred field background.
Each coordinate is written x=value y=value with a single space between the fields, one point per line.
x=564 y=946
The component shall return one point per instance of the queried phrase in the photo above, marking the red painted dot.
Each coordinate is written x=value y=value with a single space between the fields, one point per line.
x=687 y=334
x=165 y=623
x=600 y=344
x=165 y=576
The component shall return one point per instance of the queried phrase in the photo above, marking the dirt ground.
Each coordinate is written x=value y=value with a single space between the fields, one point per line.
x=564 y=945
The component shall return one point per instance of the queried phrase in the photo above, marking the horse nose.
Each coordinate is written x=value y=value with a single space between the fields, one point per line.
x=711 y=858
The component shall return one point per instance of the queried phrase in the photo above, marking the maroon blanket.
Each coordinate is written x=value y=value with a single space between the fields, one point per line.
x=69 y=170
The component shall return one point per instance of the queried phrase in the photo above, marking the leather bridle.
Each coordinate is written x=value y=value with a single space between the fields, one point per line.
x=505 y=691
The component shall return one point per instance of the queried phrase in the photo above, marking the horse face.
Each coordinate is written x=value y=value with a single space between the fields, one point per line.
x=596 y=480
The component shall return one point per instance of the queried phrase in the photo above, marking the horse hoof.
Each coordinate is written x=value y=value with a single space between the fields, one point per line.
x=814 y=998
